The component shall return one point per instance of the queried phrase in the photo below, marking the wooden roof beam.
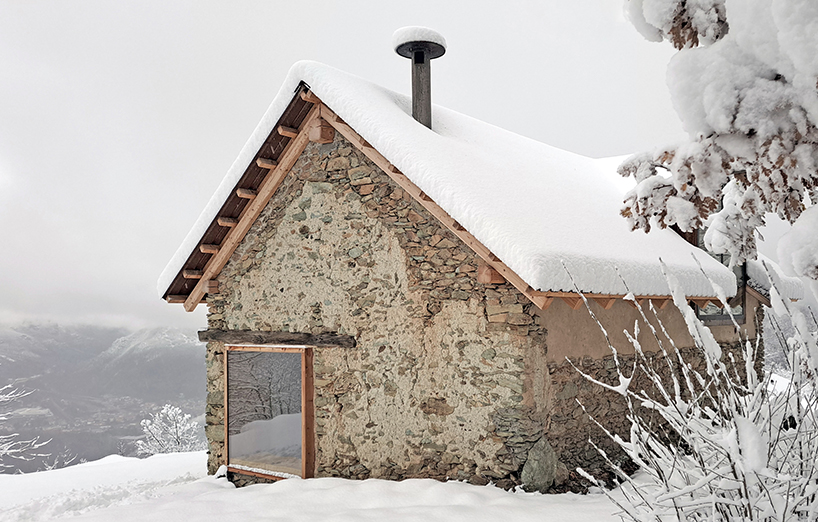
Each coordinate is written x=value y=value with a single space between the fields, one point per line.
x=176 y=299
x=309 y=97
x=266 y=163
x=209 y=249
x=252 y=210
x=253 y=337
x=245 y=193
x=227 y=221
x=574 y=302
x=605 y=302
x=322 y=132
x=287 y=132
x=192 y=274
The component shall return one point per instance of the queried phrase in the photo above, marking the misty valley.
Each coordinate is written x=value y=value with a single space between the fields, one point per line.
x=89 y=387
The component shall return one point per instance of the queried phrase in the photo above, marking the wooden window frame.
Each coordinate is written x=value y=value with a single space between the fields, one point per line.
x=307 y=407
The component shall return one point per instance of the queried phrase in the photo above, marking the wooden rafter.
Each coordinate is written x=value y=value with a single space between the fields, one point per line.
x=287 y=132
x=192 y=274
x=266 y=163
x=227 y=221
x=248 y=216
x=246 y=193
x=209 y=249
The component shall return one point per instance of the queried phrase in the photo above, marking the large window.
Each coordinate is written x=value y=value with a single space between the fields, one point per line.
x=270 y=414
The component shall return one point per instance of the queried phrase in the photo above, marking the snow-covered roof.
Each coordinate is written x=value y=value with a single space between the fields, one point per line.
x=543 y=211
x=790 y=287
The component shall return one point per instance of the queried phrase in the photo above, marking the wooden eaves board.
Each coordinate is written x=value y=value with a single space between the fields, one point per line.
x=312 y=109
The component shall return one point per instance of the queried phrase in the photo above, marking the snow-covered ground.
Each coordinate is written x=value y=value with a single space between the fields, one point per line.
x=174 y=487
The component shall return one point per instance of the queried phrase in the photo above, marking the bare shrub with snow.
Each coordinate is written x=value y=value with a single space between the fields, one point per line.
x=748 y=98
x=718 y=442
x=12 y=447
x=170 y=431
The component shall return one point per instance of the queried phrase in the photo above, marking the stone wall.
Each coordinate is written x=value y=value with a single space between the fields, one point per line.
x=449 y=377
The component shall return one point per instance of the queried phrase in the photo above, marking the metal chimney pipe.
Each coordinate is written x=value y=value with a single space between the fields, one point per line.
x=421 y=45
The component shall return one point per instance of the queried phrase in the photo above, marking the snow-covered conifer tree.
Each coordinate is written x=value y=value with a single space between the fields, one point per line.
x=170 y=431
x=745 y=85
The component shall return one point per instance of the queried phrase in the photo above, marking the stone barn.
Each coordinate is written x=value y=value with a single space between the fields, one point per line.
x=391 y=300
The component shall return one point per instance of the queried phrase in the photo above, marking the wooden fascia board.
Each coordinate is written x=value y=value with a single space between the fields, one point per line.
x=253 y=209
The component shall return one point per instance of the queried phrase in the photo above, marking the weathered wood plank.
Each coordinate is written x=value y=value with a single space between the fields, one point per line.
x=285 y=338
x=309 y=97
x=192 y=274
x=266 y=163
x=288 y=132
x=246 y=193
x=227 y=222
x=176 y=299
x=307 y=415
x=209 y=249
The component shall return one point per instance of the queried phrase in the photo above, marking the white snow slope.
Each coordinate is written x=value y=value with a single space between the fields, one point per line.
x=538 y=208
x=173 y=488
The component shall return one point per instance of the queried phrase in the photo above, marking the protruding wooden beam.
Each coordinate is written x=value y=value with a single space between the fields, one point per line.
x=661 y=303
x=309 y=97
x=209 y=249
x=176 y=299
x=573 y=302
x=605 y=302
x=425 y=197
x=322 y=132
x=211 y=287
x=288 y=132
x=245 y=193
x=266 y=163
x=252 y=210
x=227 y=221
x=489 y=276
x=192 y=274
x=253 y=337
x=541 y=302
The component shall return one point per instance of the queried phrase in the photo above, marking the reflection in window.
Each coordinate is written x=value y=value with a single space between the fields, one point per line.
x=264 y=412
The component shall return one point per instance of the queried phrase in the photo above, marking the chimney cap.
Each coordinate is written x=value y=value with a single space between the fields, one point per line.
x=406 y=40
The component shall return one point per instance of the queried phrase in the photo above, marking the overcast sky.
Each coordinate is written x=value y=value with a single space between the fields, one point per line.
x=119 y=119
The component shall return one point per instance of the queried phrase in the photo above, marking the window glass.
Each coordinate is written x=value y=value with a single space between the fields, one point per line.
x=736 y=307
x=264 y=412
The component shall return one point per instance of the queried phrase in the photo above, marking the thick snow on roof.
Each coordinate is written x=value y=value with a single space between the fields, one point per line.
x=545 y=212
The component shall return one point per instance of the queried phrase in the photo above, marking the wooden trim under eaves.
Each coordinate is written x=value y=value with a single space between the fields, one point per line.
x=248 y=216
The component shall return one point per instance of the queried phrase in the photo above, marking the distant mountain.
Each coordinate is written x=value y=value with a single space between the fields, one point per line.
x=28 y=350
x=91 y=386
x=155 y=364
